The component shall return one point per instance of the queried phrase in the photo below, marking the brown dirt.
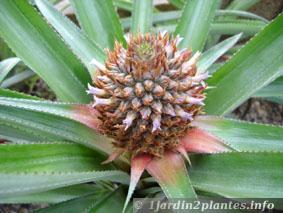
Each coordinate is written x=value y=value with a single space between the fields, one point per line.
x=261 y=111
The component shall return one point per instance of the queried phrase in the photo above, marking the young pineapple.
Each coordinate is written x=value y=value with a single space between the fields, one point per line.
x=148 y=93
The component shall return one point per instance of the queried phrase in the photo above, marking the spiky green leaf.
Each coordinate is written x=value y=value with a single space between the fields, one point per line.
x=195 y=23
x=124 y=4
x=56 y=195
x=49 y=157
x=239 y=13
x=274 y=89
x=99 y=203
x=40 y=48
x=211 y=55
x=242 y=5
x=142 y=16
x=84 y=114
x=6 y=66
x=51 y=127
x=232 y=27
x=259 y=62
x=99 y=21
x=82 y=46
x=243 y=136
x=177 y=3
x=13 y=94
x=239 y=175
x=25 y=183
x=17 y=78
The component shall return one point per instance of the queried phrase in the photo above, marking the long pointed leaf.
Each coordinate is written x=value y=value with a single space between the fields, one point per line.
x=243 y=136
x=100 y=21
x=98 y=203
x=84 y=114
x=195 y=23
x=211 y=55
x=82 y=46
x=171 y=17
x=49 y=157
x=239 y=175
x=275 y=89
x=6 y=66
x=242 y=5
x=17 y=134
x=142 y=16
x=177 y=3
x=13 y=94
x=41 y=49
x=54 y=196
x=24 y=183
x=123 y=4
x=232 y=27
x=227 y=27
x=52 y=127
x=17 y=78
x=240 y=13
x=254 y=66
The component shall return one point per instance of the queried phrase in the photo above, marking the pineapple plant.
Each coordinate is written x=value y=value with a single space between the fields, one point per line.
x=138 y=97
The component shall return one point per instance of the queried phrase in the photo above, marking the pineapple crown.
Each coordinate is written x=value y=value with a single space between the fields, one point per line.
x=148 y=93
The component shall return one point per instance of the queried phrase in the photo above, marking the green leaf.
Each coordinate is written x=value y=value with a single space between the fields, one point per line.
x=177 y=3
x=81 y=45
x=214 y=67
x=99 y=203
x=111 y=203
x=171 y=174
x=171 y=17
x=99 y=21
x=240 y=13
x=142 y=16
x=6 y=66
x=254 y=66
x=13 y=94
x=24 y=183
x=274 y=89
x=123 y=4
x=5 y=52
x=195 y=23
x=225 y=27
x=42 y=50
x=239 y=175
x=56 y=195
x=52 y=127
x=18 y=134
x=17 y=78
x=49 y=157
x=211 y=55
x=160 y=17
x=243 y=136
x=242 y=5
x=84 y=114
x=231 y=27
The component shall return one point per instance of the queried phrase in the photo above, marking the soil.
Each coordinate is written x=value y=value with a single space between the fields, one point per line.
x=254 y=110
x=260 y=111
